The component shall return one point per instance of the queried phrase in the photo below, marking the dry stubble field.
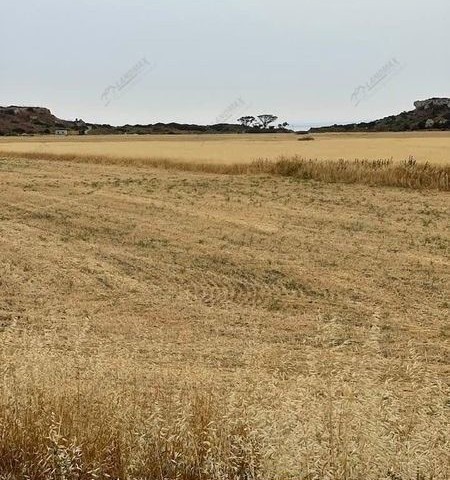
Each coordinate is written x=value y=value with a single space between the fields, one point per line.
x=161 y=324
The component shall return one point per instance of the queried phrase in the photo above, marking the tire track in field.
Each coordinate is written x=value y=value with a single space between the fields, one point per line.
x=218 y=284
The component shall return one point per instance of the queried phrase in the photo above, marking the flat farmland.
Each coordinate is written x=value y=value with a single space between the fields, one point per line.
x=170 y=324
x=433 y=147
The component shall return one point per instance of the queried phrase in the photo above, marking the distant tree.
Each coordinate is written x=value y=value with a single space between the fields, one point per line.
x=283 y=125
x=266 y=119
x=247 y=121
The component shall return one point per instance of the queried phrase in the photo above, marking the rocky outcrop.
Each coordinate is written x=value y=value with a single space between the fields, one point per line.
x=432 y=102
x=16 y=120
x=431 y=114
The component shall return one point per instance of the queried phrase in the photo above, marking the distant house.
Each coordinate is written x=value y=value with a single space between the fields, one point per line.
x=61 y=132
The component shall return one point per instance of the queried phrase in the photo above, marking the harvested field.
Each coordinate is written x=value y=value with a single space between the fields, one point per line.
x=185 y=325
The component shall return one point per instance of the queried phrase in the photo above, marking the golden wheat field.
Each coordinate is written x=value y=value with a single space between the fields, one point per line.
x=266 y=323
x=433 y=147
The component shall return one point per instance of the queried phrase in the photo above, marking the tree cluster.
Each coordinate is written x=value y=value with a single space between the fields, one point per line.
x=261 y=121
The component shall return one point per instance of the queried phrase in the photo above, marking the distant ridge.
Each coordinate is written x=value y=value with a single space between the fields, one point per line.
x=431 y=114
x=16 y=120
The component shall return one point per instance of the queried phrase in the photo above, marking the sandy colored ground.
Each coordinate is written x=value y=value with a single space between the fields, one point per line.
x=427 y=146
x=114 y=277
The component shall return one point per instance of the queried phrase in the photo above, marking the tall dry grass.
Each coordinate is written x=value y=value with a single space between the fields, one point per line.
x=64 y=417
x=381 y=172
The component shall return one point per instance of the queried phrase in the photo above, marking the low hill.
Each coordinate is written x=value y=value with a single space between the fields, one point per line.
x=431 y=114
x=30 y=120
x=16 y=120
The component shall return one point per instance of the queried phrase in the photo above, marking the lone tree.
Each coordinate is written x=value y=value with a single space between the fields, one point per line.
x=267 y=119
x=247 y=121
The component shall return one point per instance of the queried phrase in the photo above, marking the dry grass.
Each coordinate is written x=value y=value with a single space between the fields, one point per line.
x=406 y=174
x=432 y=147
x=168 y=324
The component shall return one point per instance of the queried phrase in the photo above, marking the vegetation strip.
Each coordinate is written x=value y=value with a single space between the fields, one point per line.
x=381 y=172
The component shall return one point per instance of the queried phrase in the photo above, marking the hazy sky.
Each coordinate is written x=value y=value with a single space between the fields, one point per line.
x=205 y=60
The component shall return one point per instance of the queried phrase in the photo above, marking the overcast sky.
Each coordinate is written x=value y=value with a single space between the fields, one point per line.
x=143 y=61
